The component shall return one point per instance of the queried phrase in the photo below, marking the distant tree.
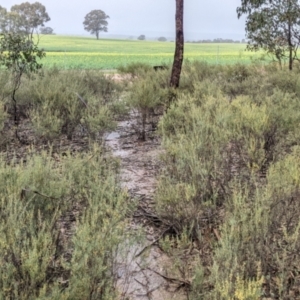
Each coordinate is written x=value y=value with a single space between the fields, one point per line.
x=179 y=48
x=46 y=30
x=142 y=37
x=95 y=21
x=273 y=26
x=27 y=17
x=162 y=39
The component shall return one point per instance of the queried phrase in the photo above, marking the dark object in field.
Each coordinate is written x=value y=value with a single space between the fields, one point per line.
x=157 y=68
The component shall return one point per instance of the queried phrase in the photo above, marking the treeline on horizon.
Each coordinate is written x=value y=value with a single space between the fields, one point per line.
x=218 y=40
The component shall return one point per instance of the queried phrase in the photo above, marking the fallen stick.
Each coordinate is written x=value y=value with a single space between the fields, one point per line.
x=154 y=242
x=181 y=281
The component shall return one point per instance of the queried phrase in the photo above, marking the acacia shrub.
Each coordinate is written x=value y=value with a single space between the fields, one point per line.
x=196 y=174
x=2 y=116
x=135 y=69
x=3 y=119
x=211 y=141
x=260 y=236
x=4 y=85
x=67 y=103
x=286 y=81
x=265 y=132
x=221 y=171
x=197 y=71
x=240 y=79
x=39 y=260
x=148 y=96
x=231 y=80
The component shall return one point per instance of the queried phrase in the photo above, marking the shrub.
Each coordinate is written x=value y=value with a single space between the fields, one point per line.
x=260 y=234
x=208 y=142
x=230 y=182
x=19 y=55
x=193 y=73
x=68 y=103
x=38 y=259
x=146 y=95
x=196 y=175
x=135 y=69
x=64 y=103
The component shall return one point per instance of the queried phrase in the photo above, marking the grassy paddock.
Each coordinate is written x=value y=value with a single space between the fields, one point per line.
x=72 y=52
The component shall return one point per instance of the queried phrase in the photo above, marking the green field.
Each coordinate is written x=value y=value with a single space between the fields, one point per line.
x=71 y=52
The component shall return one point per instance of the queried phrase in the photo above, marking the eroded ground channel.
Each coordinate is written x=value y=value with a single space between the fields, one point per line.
x=141 y=267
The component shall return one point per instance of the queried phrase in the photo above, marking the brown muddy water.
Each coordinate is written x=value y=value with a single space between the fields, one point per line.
x=141 y=275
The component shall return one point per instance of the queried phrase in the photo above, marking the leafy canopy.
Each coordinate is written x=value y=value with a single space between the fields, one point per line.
x=23 y=18
x=31 y=16
x=274 y=26
x=46 y=30
x=95 y=21
x=3 y=19
x=142 y=37
x=19 y=53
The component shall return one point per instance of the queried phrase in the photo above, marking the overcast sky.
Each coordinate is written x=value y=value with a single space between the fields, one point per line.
x=204 y=19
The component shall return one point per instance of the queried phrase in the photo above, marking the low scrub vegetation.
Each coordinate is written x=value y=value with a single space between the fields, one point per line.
x=147 y=93
x=64 y=103
x=229 y=187
x=62 y=219
x=62 y=212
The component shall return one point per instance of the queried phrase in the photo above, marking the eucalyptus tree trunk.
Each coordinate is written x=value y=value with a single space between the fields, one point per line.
x=178 y=57
x=291 y=59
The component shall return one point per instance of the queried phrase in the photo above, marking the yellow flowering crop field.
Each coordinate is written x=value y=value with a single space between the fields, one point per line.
x=72 y=52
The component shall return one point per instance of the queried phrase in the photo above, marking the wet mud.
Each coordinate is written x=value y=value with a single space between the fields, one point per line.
x=142 y=270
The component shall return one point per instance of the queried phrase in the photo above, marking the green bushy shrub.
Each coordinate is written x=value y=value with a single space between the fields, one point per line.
x=63 y=103
x=38 y=258
x=148 y=96
x=230 y=181
x=210 y=141
x=135 y=69
x=260 y=235
x=69 y=102
x=197 y=71
x=196 y=175
x=287 y=82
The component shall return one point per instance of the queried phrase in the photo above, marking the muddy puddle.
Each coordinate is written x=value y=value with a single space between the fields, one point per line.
x=143 y=270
